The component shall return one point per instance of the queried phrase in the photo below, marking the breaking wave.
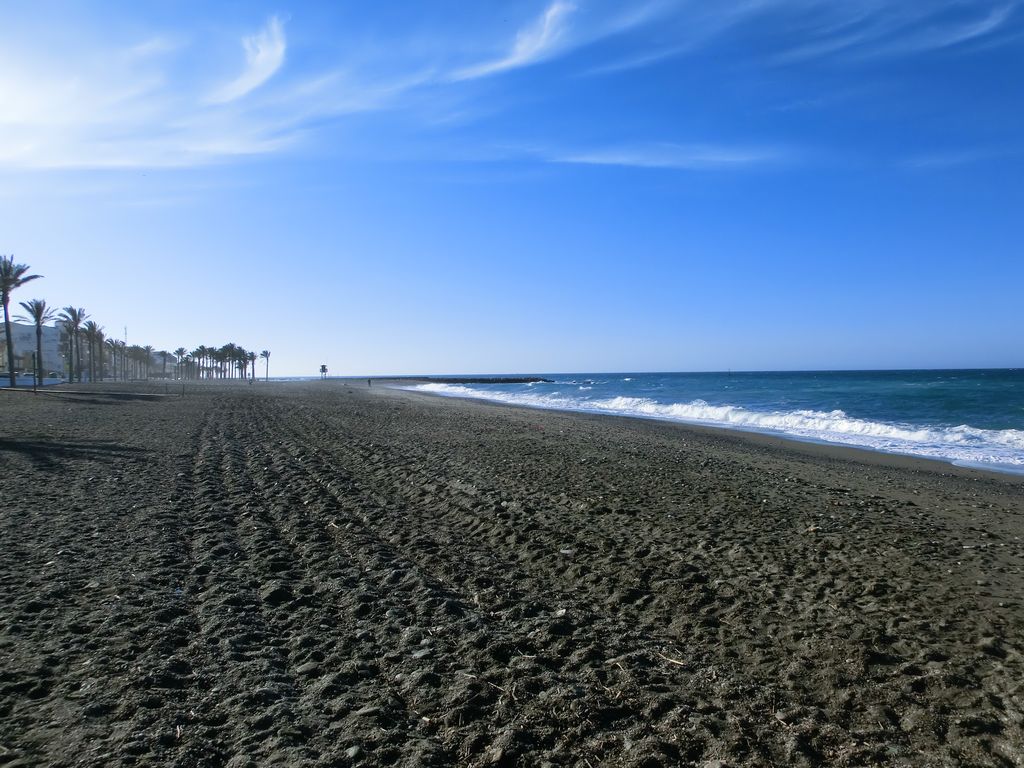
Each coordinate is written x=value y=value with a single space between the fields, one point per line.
x=994 y=449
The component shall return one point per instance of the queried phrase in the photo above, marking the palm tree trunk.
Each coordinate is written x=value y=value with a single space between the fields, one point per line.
x=10 y=342
x=39 y=354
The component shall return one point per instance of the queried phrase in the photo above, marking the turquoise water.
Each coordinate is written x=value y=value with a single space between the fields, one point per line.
x=968 y=417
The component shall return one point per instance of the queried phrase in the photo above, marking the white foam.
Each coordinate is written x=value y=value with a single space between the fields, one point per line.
x=966 y=445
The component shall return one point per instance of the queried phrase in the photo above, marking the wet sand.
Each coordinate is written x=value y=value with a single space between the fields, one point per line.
x=314 y=574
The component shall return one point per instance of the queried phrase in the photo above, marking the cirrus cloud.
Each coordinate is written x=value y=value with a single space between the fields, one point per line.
x=264 y=55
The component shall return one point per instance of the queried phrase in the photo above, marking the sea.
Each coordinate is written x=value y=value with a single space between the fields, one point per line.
x=969 y=418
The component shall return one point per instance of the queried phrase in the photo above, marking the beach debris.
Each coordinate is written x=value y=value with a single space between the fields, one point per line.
x=670 y=660
x=354 y=752
x=497 y=687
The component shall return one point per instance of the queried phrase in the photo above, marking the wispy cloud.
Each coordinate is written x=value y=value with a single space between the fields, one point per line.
x=147 y=49
x=937 y=37
x=264 y=55
x=683 y=157
x=152 y=101
x=152 y=104
x=871 y=29
x=534 y=43
x=681 y=28
x=148 y=104
x=937 y=161
x=796 y=31
x=105 y=115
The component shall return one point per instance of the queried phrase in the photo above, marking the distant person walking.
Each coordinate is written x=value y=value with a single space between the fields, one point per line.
x=369 y=382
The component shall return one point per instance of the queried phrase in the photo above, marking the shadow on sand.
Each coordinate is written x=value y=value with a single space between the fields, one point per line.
x=94 y=396
x=106 y=398
x=49 y=453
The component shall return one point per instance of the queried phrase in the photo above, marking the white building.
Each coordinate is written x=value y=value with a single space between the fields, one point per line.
x=23 y=337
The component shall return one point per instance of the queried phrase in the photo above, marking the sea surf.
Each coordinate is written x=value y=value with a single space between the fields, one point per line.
x=965 y=417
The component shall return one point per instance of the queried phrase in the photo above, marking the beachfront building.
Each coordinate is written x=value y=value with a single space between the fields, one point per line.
x=23 y=336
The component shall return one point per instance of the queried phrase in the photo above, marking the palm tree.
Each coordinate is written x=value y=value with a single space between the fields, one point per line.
x=241 y=359
x=252 y=366
x=200 y=354
x=216 y=358
x=265 y=354
x=127 y=361
x=99 y=354
x=227 y=357
x=11 y=276
x=164 y=354
x=69 y=331
x=93 y=338
x=122 y=350
x=137 y=356
x=114 y=346
x=212 y=362
x=73 y=319
x=89 y=334
x=149 y=350
x=39 y=314
x=180 y=354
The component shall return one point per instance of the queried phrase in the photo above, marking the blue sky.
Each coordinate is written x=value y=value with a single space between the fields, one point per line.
x=559 y=185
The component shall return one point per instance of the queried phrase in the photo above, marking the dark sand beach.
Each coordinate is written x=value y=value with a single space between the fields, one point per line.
x=317 y=575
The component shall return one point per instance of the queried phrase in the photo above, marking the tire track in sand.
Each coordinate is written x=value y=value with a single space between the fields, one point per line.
x=543 y=651
x=242 y=584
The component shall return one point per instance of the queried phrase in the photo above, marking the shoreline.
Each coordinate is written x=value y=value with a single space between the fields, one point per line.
x=857 y=453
